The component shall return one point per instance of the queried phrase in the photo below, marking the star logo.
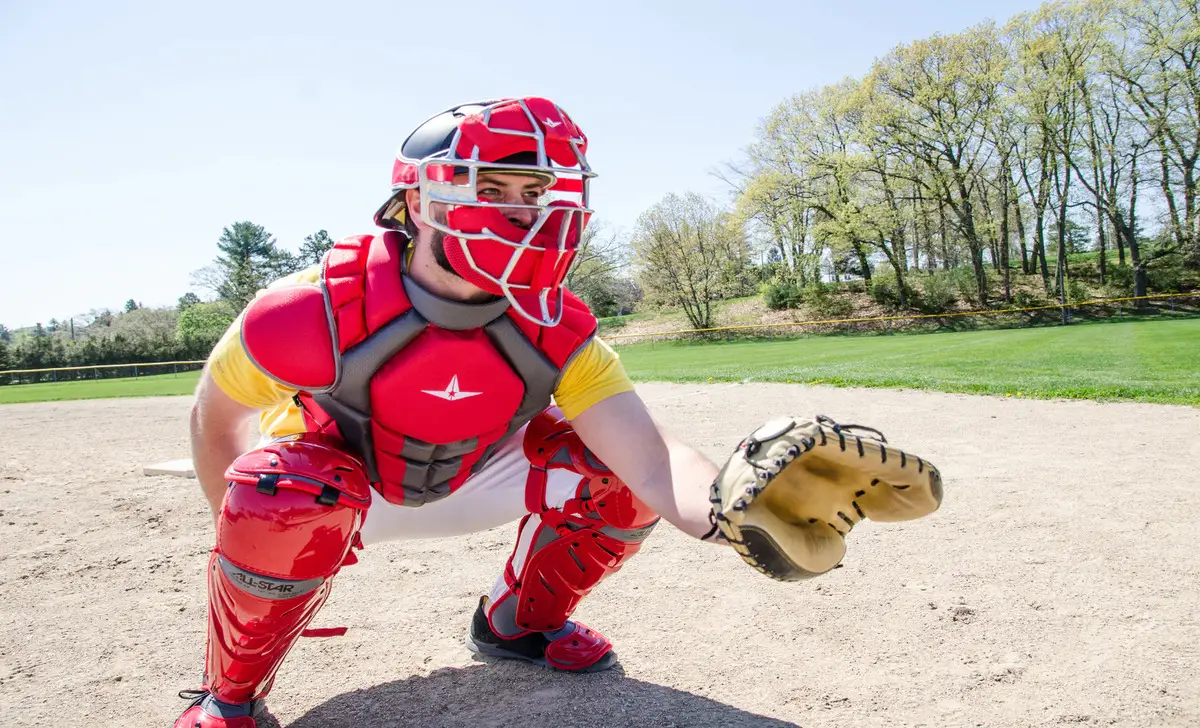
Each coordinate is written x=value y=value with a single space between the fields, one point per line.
x=451 y=392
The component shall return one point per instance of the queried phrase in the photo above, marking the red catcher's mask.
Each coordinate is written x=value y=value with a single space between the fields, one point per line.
x=529 y=136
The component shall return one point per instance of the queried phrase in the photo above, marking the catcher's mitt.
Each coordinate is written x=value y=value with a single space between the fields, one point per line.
x=791 y=492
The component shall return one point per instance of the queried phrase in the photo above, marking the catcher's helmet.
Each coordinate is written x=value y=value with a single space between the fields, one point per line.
x=530 y=136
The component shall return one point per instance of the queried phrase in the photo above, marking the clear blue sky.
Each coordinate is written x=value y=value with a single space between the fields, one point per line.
x=131 y=133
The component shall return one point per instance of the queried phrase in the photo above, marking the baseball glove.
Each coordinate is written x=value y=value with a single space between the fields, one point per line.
x=791 y=492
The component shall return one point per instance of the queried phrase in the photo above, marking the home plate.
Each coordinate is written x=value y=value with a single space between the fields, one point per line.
x=178 y=468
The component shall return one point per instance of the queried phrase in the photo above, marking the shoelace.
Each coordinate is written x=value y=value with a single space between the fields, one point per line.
x=193 y=695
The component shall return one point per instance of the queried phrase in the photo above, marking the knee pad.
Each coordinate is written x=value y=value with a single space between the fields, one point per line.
x=293 y=508
x=288 y=521
x=562 y=554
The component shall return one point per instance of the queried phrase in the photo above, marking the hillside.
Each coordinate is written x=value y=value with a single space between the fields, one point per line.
x=854 y=300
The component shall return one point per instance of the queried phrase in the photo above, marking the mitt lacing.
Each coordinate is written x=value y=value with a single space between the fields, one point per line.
x=849 y=429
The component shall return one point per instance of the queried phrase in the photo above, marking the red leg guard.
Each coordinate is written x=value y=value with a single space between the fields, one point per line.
x=562 y=554
x=289 y=518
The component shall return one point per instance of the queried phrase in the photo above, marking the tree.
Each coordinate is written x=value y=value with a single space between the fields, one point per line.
x=99 y=318
x=595 y=274
x=131 y=305
x=5 y=334
x=188 y=300
x=202 y=324
x=314 y=248
x=682 y=245
x=249 y=260
x=1157 y=65
x=931 y=101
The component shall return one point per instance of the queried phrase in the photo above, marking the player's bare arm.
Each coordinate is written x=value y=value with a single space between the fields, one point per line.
x=219 y=429
x=670 y=476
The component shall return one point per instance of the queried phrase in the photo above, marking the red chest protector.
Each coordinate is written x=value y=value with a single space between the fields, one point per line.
x=420 y=387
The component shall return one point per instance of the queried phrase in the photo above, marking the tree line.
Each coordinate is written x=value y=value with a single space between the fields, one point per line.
x=1001 y=150
x=248 y=259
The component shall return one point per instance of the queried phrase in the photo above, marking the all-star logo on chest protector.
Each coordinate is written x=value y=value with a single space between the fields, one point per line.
x=426 y=375
x=452 y=391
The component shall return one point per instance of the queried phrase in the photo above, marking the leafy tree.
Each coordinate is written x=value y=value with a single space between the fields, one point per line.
x=99 y=318
x=202 y=324
x=249 y=259
x=131 y=305
x=5 y=334
x=188 y=300
x=314 y=248
x=596 y=274
x=967 y=147
x=682 y=245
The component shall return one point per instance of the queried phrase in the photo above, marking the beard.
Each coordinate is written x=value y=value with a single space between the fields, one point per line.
x=437 y=241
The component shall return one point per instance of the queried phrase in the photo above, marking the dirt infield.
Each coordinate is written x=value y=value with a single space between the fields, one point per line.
x=1058 y=585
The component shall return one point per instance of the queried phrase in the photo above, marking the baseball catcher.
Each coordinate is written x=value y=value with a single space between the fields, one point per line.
x=436 y=378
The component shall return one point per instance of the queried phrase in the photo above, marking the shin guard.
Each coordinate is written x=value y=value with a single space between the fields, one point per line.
x=291 y=514
x=564 y=551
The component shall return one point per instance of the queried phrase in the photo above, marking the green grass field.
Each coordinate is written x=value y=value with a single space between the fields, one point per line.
x=1149 y=361
x=159 y=385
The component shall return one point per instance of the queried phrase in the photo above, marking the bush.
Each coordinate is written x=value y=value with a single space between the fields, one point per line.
x=1120 y=278
x=885 y=290
x=964 y=282
x=201 y=325
x=822 y=302
x=1166 y=275
x=937 y=293
x=1029 y=299
x=1086 y=269
x=781 y=294
x=1077 y=292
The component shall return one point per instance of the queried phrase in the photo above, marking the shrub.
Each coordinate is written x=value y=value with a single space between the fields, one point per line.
x=781 y=294
x=1166 y=275
x=1028 y=299
x=964 y=283
x=885 y=290
x=822 y=302
x=1077 y=292
x=1086 y=269
x=1120 y=278
x=937 y=293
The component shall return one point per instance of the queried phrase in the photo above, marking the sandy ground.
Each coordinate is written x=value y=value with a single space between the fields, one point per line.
x=1058 y=585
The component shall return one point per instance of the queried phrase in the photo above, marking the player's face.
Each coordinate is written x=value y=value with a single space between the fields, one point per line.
x=498 y=189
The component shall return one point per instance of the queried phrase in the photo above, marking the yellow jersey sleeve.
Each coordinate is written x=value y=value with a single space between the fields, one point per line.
x=238 y=377
x=594 y=374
